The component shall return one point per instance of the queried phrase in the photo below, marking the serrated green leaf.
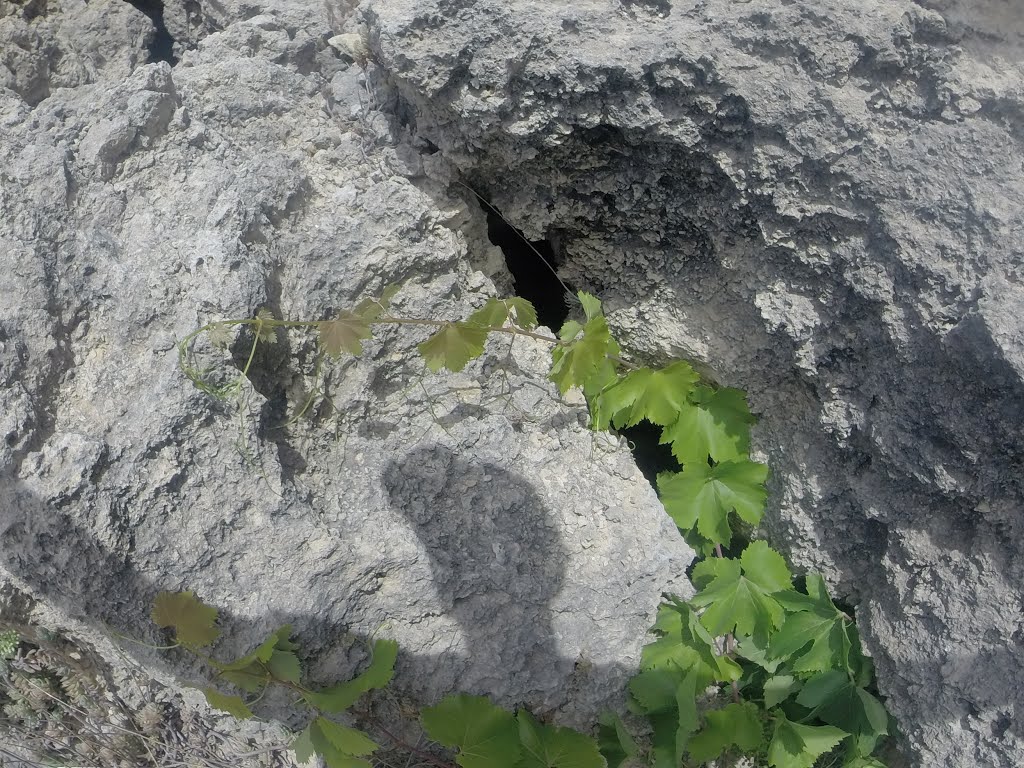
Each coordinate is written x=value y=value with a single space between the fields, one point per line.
x=778 y=688
x=736 y=724
x=708 y=569
x=686 y=704
x=614 y=740
x=192 y=620
x=284 y=665
x=814 y=621
x=493 y=314
x=524 y=314
x=570 y=330
x=547 y=746
x=687 y=646
x=834 y=699
x=486 y=735
x=755 y=649
x=341 y=696
x=704 y=496
x=829 y=643
x=348 y=741
x=252 y=679
x=605 y=375
x=591 y=305
x=736 y=604
x=654 y=690
x=657 y=396
x=302 y=746
x=797 y=746
x=576 y=364
x=664 y=738
x=766 y=567
x=333 y=742
x=278 y=639
x=712 y=423
x=233 y=705
x=345 y=333
x=453 y=346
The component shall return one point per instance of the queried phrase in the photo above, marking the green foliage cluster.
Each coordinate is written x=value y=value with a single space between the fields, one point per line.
x=274 y=662
x=751 y=665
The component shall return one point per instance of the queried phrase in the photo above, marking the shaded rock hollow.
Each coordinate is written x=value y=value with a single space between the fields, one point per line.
x=822 y=203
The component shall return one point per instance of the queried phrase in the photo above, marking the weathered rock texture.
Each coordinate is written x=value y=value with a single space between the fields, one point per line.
x=473 y=518
x=822 y=201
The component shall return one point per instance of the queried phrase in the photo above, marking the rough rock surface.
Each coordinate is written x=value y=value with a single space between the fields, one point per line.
x=822 y=201
x=473 y=518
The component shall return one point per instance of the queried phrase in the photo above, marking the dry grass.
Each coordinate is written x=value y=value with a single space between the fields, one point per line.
x=59 y=708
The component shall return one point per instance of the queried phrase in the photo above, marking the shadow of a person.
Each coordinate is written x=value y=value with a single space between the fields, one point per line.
x=496 y=558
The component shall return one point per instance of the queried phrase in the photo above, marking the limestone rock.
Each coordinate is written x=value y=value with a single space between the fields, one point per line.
x=473 y=518
x=823 y=203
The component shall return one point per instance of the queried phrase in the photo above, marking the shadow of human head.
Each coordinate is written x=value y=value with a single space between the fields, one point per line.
x=496 y=558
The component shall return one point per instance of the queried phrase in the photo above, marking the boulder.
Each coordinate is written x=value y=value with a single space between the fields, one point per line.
x=822 y=203
x=474 y=518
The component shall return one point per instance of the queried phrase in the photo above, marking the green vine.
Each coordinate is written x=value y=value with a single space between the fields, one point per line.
x=750 y=666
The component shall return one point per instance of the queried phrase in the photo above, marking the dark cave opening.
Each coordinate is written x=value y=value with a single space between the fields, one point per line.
x=534 y=267
x=650 y=455
x=161 y=46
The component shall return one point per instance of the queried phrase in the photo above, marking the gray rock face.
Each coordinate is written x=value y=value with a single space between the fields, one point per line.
x=821 y=202
x=473 y=518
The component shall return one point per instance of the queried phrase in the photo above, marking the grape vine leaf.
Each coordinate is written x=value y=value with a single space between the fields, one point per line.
x=654 y=690
x=778 y=688
x=797 y=746
x=689 y=720
x=815 y=621
x=712 y=423
x=302 y=745
x=547 y=746
x=340 y=746
x=591 y=305
x=834 y=699
x=492 y=314
x=486 y=735
x=614 y=740
x=570 y=330
x=740 y=597
x=284 y=665
x=655 y=395
x=576 y=363
x=341 y=696
x=685 y=644
x=664 y=739
x=735 y=724
x=348 y=741
x=251 y=679
x=525 y=316
x=703 y=496
x=252 y=671
x=233 y=705
x=453 y=346
x=345 y=333
x=192 y=620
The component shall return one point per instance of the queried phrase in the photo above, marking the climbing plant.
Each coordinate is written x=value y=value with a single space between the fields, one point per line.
x=752 y=665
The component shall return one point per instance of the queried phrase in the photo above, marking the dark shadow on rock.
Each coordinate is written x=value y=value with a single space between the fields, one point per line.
x=496 y=560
